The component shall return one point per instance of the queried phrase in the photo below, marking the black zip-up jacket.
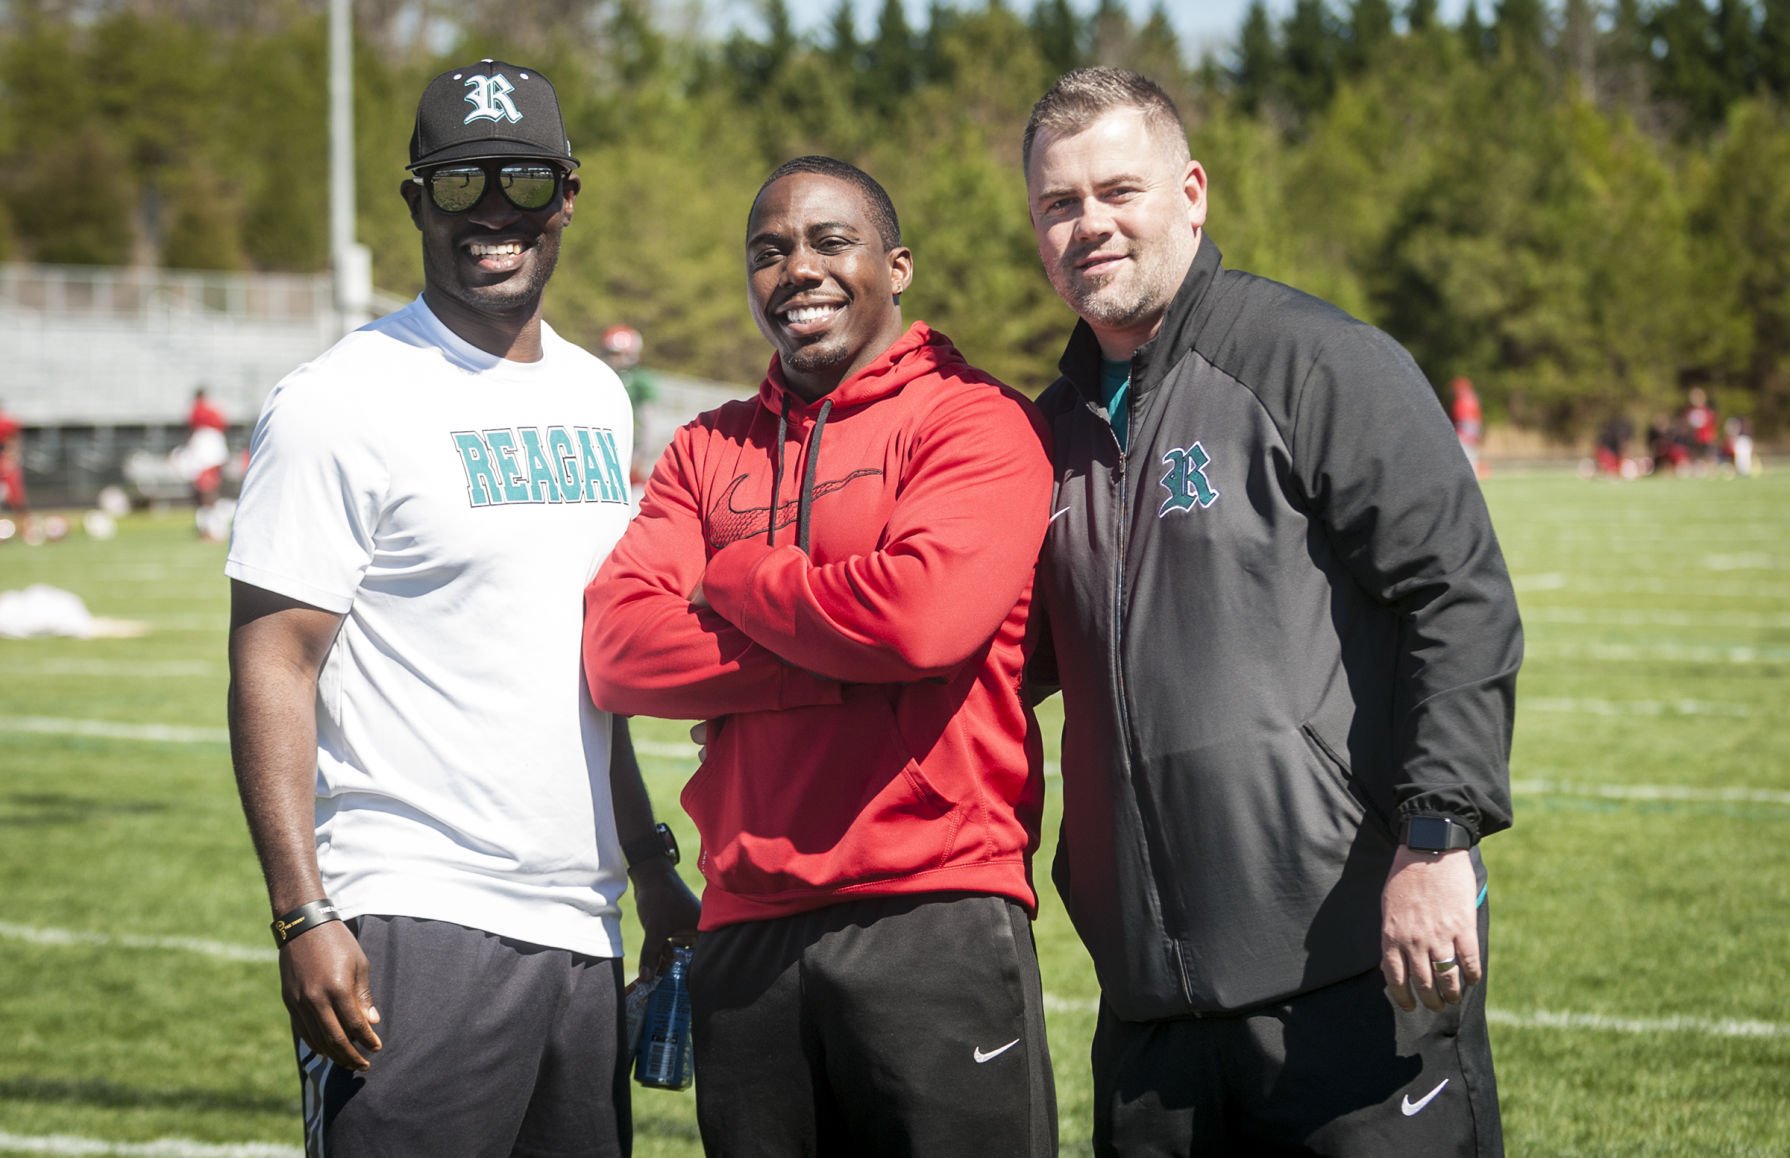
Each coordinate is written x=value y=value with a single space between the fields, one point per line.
x=1281 y=623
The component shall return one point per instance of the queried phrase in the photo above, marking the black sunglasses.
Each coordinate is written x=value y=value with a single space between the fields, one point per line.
x=528 y=185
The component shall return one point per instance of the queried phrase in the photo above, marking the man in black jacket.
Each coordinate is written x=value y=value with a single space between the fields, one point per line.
x=1287 y=645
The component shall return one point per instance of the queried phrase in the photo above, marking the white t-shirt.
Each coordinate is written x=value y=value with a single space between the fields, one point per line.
x=453 y=505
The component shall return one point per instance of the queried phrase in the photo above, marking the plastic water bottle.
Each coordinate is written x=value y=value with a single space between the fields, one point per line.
x=664 y=1060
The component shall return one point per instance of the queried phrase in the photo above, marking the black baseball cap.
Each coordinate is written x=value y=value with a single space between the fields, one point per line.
x=485 y=110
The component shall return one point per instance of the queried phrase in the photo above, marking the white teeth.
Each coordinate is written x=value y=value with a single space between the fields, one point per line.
x=805 y=314
x=508 y=248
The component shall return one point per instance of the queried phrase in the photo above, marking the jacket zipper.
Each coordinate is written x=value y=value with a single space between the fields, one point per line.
x=1118 y=666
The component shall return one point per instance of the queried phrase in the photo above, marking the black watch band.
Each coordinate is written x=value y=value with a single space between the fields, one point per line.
x=658 y=842
x=1434 y=834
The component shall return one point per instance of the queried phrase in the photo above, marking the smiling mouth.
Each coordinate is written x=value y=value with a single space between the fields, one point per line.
x=1096 y=262
x=809 y=318
x=495 y=249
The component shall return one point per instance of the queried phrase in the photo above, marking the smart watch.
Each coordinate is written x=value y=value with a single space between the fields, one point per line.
x=1434 y=834
x=658 y=842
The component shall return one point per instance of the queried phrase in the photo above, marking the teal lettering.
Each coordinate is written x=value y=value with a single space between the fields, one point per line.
x=503 y=445
x=565 y=459
x=483 y=487
x=542 y=481
x=618 y=479
x=602 y=477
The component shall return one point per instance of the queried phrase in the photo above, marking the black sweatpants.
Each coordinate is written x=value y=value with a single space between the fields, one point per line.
x=890 y=1026
x=1339 y=1071
x=492 y=1048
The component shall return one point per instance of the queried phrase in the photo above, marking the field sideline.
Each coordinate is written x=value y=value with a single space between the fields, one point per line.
x=1639 y=952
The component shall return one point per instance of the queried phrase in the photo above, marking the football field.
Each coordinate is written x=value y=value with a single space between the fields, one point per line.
x=1641 y=930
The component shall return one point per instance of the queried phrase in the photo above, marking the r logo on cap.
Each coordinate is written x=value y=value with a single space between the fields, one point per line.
x=490 y=99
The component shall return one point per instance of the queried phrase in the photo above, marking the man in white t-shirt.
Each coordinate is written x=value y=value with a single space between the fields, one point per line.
x=445 y=821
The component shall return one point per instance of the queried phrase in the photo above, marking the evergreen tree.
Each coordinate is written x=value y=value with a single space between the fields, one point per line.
x=1624 y=54
x=1744 y=221
x=1158 y=49
x=1370 y=30
x=1473 y=33
x=1519 y=29
x=1310 y=51
x=1256 y=79
x=842 y=39
x=1774 y=48
x=1736 y=49
x=893 y=65
x=1420 y=16
x=1059 y=34
x=1578 y=46
x=1112 y=34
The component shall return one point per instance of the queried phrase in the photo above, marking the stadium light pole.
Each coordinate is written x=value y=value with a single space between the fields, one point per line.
x=352 y=263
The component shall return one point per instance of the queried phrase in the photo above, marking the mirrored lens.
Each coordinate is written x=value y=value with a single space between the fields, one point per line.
x=527 y=186
x=458 y=189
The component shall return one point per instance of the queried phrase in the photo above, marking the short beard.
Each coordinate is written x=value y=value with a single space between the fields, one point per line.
x=1109 y=307
x=819 y=356
x=1155 y=279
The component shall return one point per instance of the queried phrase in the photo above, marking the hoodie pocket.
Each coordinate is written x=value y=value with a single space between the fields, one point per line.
x=814 y=799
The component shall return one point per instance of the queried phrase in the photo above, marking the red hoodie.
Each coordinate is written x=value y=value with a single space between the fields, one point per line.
x=867 y=735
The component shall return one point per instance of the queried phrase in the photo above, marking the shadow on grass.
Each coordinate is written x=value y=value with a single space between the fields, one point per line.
x=112 y=1096
x=43 y=809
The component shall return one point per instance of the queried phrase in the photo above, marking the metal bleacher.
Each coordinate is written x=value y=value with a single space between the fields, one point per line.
x=102 y=363
x=100 y=366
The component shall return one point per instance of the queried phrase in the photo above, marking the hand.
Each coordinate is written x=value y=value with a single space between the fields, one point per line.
x=667 y=908
x=323 y=978
x=1428 y=915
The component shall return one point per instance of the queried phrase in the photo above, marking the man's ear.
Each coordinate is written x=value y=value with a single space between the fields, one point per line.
x=413 y=194
x=572 y=185
x=1193 y=185
x=901 y=269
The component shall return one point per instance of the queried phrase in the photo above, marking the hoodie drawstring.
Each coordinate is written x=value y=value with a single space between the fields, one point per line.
x=807 y=497
x=770 y=521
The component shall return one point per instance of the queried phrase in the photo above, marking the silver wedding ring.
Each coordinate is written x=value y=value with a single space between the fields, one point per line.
x=1444 y=966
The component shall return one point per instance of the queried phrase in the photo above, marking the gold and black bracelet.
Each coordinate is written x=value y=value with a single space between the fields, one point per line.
x=303 y=919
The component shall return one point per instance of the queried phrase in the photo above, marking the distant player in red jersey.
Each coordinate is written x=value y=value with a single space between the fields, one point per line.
x=12 y=463
x=1469 y=426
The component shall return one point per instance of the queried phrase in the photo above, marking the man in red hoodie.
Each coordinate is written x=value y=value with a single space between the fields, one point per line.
x=836 y=575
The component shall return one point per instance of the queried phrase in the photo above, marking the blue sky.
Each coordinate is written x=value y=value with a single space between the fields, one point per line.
x=1202 y=24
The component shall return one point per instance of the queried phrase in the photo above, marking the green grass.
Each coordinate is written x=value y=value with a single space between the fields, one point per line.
x=1640 y=941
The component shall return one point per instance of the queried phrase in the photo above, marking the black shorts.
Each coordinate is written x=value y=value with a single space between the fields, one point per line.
x=890 y=1026
x=491 y=1047
x=1338 y=1071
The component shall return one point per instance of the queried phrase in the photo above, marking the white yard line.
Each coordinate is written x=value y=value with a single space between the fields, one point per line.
x=1669 y=652
x=115 y=730
x=665 y=750
x=1053 y=1003
x=1623 y=709
x=1732 y=794
x=1659 y=617
x=1603 y=1022
x=71 y=1145
x=1534 y=786
x=115 y=668
x=38 y=935
x=1552 y=1019
x=1696 y=589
